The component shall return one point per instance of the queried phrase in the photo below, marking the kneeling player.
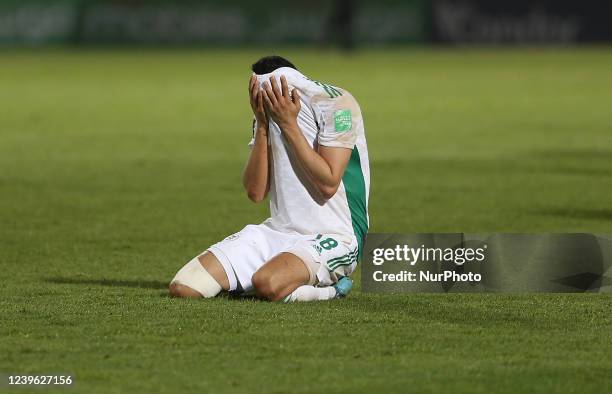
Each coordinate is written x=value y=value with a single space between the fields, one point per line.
x=309 y=153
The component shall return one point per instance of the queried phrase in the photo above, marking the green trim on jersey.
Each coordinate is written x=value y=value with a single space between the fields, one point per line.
x=329 y=89
x=354 y=184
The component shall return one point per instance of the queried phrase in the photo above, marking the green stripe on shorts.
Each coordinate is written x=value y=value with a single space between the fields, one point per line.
x=342 y=258
x=347 y=259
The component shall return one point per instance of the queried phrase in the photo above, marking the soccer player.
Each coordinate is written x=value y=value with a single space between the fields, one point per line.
x=309 y=154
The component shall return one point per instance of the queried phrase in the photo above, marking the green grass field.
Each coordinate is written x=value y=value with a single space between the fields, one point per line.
x=116 y=167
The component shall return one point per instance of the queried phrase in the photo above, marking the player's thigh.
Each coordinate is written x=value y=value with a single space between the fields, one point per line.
x=243 y=253
x=279 y=276
x=211 y=264
x=202 y=276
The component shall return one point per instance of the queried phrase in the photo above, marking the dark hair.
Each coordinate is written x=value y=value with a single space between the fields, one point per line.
x=267 y=64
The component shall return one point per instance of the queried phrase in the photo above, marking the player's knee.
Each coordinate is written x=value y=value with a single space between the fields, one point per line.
x=261 y=283
x=265 y=286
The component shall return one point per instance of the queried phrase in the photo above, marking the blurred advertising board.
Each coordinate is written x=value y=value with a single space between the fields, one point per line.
x=211 y=21
x=344 y=22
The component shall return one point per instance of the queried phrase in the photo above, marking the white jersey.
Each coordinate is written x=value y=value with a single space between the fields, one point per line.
x=329 y=116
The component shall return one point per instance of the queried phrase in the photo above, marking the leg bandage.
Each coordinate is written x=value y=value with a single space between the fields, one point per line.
x=195 y=276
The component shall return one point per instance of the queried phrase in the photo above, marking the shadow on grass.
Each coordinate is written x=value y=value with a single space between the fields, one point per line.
x=576 y=154
x=142 y=284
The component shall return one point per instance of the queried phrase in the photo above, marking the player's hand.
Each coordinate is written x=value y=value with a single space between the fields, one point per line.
x=256 y=96
x=282 y=106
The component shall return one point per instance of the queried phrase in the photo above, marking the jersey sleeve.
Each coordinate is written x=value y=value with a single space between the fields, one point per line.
x=253 y=128
x=338 y=121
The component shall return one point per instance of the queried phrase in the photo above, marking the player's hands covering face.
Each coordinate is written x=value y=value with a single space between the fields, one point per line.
x=282 y=106
x=256 y=96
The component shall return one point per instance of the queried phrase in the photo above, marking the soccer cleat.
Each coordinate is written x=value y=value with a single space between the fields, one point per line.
x=343 y=287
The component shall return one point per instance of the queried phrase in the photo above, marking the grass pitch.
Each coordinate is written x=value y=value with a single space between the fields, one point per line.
x=116 y=167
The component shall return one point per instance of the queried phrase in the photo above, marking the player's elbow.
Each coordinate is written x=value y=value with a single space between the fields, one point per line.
x=255 y=195
x=328 y=191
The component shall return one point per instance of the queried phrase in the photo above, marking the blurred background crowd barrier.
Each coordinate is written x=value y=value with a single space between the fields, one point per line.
x=346 y=23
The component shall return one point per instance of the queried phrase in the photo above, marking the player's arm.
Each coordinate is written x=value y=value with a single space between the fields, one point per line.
x=256 y=179
x=325 y=166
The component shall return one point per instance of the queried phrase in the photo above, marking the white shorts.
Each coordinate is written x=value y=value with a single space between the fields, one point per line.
x=328 y=257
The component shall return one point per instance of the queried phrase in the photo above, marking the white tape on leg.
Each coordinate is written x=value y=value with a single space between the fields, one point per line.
x=195 y=276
